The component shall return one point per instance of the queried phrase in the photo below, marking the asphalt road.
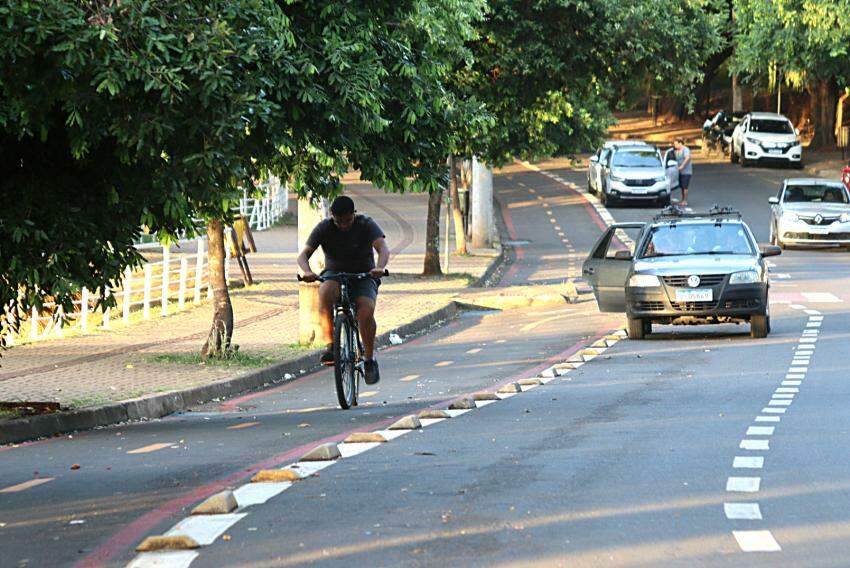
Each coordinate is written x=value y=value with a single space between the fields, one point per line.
x=698 y=446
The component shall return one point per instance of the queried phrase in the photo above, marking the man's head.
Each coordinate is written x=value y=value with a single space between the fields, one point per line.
x=342 y=212
x=679 y=143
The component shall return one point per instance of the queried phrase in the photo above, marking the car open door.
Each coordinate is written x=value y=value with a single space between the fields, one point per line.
x=609 y=264
x=671 y=168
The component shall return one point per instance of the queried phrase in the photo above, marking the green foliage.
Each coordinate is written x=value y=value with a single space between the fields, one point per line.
x=548 y=72
x=805 y=39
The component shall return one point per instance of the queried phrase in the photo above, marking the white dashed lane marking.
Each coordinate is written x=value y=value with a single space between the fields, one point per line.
x=755 y=445
x=150 y=448
x=748 y=462
x=760 y=431
x=204 y=529
x=27 y=485
x=742 y=511
x=168 y=558
x=756 y=541
x=743 y=484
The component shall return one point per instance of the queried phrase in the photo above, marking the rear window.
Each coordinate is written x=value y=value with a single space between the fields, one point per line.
x=637 y=159
x=686 y=239
x=815 y=194
x=771 y=126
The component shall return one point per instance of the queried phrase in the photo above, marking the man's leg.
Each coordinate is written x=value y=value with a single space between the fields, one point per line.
x=368 y=327
x=328 y=294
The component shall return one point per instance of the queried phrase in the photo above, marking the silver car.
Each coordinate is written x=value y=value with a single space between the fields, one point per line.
x=630 y=173
x=810 y=212
x=599 y=160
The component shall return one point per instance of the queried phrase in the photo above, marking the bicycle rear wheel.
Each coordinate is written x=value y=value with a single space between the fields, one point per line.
x=344 y=356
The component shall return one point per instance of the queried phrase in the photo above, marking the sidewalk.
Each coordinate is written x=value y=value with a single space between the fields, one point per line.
x=160 y=355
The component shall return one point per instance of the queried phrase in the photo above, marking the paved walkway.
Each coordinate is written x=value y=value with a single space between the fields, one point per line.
x=155 y=356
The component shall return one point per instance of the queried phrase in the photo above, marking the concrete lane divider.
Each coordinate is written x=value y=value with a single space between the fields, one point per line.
x=434 y=414
x=323 y=452
x=276 y=476
x=479 y=396
x=154 y=543
x=407 y=423
x=530 y=382
x=365 y=438
x=510 y=388
x=220 y=503
x=462 y=404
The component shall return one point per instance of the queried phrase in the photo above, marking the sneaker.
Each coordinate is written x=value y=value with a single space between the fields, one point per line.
x=373 y=374
x=327 y=356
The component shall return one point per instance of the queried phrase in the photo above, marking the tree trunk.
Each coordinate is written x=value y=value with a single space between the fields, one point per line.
x=432 y=235
x=824 y=115
x=218 y=342
x=457 y=214
x=737 y=95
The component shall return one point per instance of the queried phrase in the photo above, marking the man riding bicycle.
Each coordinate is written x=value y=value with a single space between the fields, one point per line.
x=348 y=239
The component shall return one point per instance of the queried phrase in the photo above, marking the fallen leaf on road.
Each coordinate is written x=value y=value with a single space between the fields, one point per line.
x=75 y=466
x=303 y=425
x=424 y=454
x=225 y=537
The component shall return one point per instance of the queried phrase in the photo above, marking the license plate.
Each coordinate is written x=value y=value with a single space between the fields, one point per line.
x=775 y=151
x=818 y=230
x=696 y=295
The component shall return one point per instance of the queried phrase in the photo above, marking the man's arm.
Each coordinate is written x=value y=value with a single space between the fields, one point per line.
x=303 y=261
x=685 y=161
x=380 y=245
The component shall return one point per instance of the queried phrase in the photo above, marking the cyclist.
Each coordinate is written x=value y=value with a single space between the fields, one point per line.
x=348 y=240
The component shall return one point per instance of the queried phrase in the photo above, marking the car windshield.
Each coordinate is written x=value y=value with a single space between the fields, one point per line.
x=771 y=126
x=815 y=194
x=697 y=238
x=637 y=159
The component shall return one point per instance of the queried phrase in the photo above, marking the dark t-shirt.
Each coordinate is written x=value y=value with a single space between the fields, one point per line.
x=347 y=251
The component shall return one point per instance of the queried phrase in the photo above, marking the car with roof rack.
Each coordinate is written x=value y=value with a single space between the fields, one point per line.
x=810 y=211
x=682 y=268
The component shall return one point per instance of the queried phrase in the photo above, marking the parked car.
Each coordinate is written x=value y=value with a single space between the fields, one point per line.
x=600 y=157
x=766 y=136
x=629 y=173
x=810 y=212
x=685 y=268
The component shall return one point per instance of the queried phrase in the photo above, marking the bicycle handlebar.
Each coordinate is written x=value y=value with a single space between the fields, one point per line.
x=344 y=275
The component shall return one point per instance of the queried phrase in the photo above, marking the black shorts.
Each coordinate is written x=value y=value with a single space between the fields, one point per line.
x=685 y=180
x=363 y=288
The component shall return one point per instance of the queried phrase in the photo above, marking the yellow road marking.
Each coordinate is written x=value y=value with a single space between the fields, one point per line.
x=473 y=351
x=409 y=378
x=150 y=448
x=443 y=363
x=310 y=409
x=242 y=425
x=367 y=394
x=26 y=485
x=532 y=325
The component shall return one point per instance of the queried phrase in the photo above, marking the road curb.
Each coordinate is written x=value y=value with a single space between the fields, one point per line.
x=157 y=406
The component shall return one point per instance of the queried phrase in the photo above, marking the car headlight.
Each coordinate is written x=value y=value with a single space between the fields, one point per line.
x=660 y=179
x=844 y=217
x=644 y=281
x=745 y=277
x=753 y=141
x=616 y=178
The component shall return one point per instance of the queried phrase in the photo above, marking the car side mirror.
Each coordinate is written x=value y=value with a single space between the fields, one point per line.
x=770 y=250
x=773 y=200
x=797 y=131
x=624 y=255
x=672 y=164
x=594 y=159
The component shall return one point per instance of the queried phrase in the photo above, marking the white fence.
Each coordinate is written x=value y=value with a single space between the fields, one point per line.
x=156 y=290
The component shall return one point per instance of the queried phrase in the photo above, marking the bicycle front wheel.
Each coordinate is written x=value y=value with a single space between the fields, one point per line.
x=344 y=357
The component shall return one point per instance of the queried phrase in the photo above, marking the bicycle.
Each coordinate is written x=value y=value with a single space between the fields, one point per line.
x=349 y=365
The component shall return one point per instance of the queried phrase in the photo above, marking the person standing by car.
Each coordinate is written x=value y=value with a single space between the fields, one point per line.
x=686 y=169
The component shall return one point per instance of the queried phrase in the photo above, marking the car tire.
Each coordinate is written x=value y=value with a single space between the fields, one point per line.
x=637 y=327
x=664 y=201
x=733 y=157
x=759 y=326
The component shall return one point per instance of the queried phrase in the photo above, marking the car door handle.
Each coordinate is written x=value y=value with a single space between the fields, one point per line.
x=588 y=270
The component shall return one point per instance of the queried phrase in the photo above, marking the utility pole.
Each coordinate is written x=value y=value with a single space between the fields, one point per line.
x=482 y=205
x=309 y=331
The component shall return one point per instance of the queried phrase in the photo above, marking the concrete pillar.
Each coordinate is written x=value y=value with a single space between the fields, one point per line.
x=482 y=205
x=309 y=331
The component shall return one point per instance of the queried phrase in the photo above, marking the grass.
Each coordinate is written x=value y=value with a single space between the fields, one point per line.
x=86 y=401
x=231 y=359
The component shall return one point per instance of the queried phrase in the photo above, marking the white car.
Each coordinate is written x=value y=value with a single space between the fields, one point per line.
x=600 y=158
x=631 y=173
x=810 y=212
x=766 y=136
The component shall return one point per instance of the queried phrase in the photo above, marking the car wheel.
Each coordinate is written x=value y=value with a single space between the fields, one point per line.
x=637 y=327
x=759 y=326
x=664 y=201
x=733 y=157
x=773 y=237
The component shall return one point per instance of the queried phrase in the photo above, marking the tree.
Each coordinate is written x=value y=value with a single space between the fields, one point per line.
x=808 y=41
x=154 y=113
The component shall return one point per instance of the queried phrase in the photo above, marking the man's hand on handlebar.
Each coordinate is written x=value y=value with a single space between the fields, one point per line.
x=309 y=277
x=378 y=273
